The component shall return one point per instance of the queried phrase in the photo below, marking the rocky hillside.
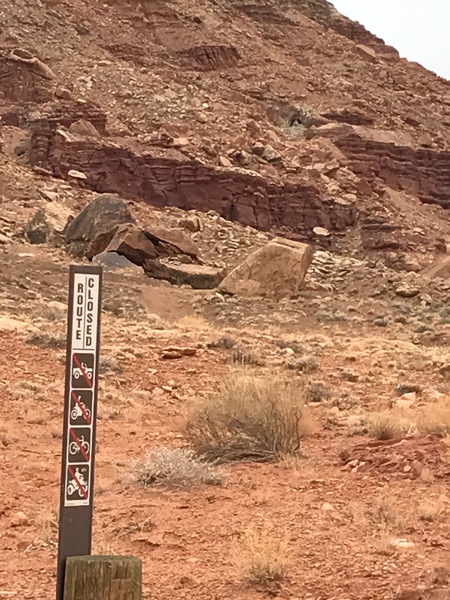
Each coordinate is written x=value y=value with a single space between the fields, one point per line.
x=284 y=115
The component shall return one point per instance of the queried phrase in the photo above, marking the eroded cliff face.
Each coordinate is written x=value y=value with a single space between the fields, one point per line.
x=422 y=172
x=226 y=107
x=167 y=178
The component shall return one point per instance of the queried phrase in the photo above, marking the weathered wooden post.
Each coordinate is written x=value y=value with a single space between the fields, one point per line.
x=103 y=578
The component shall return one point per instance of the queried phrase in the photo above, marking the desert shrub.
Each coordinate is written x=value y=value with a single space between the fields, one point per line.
x=260 y=557
x=245 y=356
x=318 y=391
x=436 y=419
x=109 y=364
x=250 y=418
x=174 y=467
x=388 y=426
x=45 y=339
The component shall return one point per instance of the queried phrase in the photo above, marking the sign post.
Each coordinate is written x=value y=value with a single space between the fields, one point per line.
x=80 y=414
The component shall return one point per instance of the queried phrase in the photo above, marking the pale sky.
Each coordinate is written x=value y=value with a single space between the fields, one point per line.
x=418 y=29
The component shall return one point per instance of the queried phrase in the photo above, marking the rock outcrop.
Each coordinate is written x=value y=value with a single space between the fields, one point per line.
x=93 y=229
x=277 y=270
x=164 y=178
x=423 y=172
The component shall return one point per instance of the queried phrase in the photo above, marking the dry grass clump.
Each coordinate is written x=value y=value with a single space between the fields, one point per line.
x=436 y=419
x=156 y=322
x=389 y=425
x=174 y=467
x=431 y=509
x=250 y=418
x=391 y=515
x=246 y=356
x=45 y=339
x=260 y=557
x=109 y=364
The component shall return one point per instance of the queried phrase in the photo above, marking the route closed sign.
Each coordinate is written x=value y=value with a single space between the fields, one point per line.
x=80 y=408
x=85 y=311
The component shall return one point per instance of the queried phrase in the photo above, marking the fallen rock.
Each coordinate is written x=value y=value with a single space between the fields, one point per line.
x=20 y=519
x=366 y=52
x=193 y=224
x=199 y=277
x=276 y=270
x=48 y=224
x=139 y=245
x=171 y=241
x=77 y=175
x=112 y=260
x=93 y=229
x=175 y=352
x=407 y=291
x=4 y=239
x=271 y=155
x=132 y=243
x=403 y=544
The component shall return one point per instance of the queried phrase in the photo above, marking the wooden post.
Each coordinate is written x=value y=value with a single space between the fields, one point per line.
x=103 y=578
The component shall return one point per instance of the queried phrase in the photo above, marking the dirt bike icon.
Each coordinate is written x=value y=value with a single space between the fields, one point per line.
x=80 y=485
x=74 y=447
x=80 y=410
x=78 y=371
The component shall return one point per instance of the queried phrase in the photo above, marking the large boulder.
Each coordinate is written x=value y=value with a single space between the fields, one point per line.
x=47 y=225
x=133 y=243
x=277 y=270
x=171 y=241
x=93 y=229
x=138 y=245
x=199 y=277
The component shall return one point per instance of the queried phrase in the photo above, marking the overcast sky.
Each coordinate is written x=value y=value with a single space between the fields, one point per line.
x=418 y=29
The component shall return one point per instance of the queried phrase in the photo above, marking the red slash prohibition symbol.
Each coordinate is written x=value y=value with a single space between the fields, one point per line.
x=83 y=371
x=83 y=490
x=81 y=406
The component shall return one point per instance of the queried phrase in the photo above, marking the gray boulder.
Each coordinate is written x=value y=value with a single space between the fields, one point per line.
x=93 y=229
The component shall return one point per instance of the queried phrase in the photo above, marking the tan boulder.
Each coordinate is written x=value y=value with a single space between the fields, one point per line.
x=277 y=270
x=48 y=224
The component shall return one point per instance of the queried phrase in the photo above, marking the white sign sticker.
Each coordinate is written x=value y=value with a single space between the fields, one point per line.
x=85 y=311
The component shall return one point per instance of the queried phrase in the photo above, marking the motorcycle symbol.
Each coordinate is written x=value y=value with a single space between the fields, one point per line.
x=80 y=410
x=74 y=448
x=77 y=372
x=74 y=486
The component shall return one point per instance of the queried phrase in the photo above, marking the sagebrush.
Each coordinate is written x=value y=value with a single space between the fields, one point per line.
x=250 y=418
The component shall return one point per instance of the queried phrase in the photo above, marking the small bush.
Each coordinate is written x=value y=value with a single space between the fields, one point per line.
x=248 y=418
x=109 y=363
x=431 y=510
x=245 y=356
x=157 y=322
x=318 y=391
x=391 y=516
x=173 y=467
x=45 y=339
x=260 y=557
x=304 y=364
x=388 y=426
x=436 y=420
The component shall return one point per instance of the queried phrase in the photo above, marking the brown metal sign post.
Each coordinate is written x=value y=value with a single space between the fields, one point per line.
x=80 y=413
